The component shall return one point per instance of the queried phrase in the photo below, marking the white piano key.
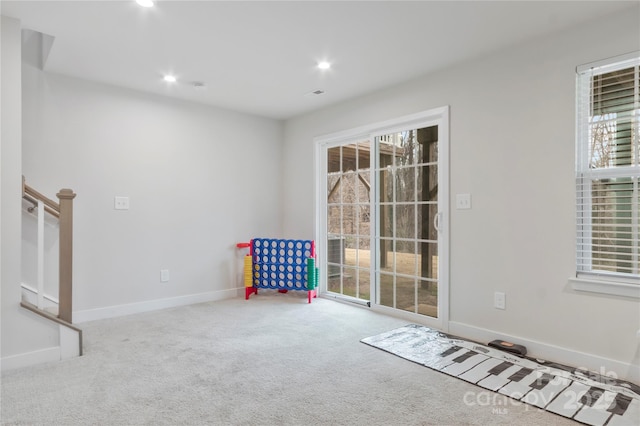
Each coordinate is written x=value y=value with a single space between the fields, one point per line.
x=517 y=390
x=630 y=417
x=496 y=382
x=438 y=362
x=456 y=368
x=541 y=397
x=596 y=414
x=414 y=349
x=566 y=404
x=480 y=371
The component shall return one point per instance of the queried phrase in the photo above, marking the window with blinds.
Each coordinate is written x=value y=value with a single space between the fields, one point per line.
x=608 y=170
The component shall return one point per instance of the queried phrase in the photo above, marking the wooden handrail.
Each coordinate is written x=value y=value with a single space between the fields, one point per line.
x=32 y=195
x=34 y=202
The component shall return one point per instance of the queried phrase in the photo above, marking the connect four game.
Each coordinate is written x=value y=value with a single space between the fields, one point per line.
x=280 y=264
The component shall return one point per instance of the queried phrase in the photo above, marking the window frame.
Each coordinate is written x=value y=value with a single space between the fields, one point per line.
x=587 y=279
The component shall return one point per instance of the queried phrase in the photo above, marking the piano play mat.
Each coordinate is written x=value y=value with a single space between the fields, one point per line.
x=583 y=396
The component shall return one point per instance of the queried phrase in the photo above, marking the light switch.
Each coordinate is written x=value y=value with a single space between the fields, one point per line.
x=499 y=300
x=463 y=201
x=121 y=203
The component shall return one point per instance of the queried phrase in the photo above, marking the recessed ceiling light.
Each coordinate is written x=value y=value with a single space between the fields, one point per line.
x=324 y=65
x=145 y=3
x=170 y=78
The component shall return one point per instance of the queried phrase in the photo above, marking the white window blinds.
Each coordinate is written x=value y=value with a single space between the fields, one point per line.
x=608 y=169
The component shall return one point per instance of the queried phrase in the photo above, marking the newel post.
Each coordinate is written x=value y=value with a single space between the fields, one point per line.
x=65 y=296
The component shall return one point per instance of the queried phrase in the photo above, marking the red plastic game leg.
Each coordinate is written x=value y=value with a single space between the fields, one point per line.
x=311 y=293
x=248 y=291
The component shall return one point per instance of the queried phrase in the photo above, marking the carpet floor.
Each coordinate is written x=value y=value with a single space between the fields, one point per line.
x=271 y=360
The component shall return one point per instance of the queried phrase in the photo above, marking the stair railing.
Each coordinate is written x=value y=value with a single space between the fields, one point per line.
x=63 y=211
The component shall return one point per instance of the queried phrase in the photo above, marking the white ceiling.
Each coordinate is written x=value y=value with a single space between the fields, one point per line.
x=260 y=57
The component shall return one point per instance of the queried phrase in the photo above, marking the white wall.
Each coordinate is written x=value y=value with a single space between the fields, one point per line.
x=512 y=147
x=199 y=180
x=34 y=337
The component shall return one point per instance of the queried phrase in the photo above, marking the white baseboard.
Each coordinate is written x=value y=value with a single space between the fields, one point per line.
x=30 y=358
x=153 y=305
x=613 y=368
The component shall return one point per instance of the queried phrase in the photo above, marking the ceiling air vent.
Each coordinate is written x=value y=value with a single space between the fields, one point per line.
x=315 y=93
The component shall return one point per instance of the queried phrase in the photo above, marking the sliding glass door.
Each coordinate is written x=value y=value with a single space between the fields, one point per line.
x=383 y=205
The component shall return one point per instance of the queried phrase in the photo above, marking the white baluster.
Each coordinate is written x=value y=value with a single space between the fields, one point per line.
x=40 y=255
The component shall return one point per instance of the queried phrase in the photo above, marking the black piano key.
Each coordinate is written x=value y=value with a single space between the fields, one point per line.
x=619 y=404
x=520 y=374
x=465 y=356
x=591 y=396
x=451 y=350
x=541 y=381
x=500 y=368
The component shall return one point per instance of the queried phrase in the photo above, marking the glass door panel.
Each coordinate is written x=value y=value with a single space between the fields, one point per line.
x=349 y=219
x=407 y=261
x=386 y=287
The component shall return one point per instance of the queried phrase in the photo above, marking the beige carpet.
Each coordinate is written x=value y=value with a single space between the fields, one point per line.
x=271 y=360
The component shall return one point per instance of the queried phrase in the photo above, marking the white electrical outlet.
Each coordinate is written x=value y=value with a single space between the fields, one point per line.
x=121 y=203
x=499 y=300
x=164 y=275
x=463 y=201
